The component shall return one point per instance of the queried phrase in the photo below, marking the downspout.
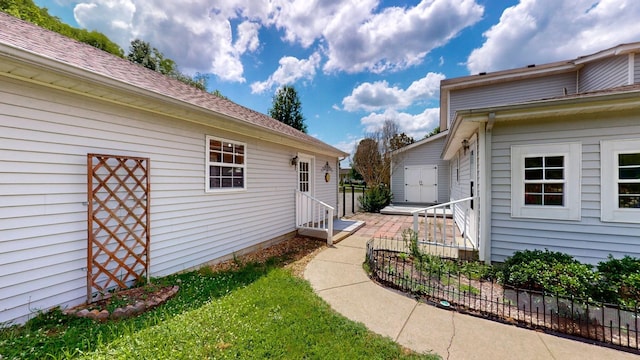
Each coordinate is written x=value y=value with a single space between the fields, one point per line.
x=484 y=192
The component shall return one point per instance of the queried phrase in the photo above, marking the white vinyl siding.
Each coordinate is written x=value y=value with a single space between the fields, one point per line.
x=511 y=92
x=636 y=68
x=428 y=153
x=603 y=74
x=620 y=180
x=326 y=191
x=589 y=239
x=45 y=136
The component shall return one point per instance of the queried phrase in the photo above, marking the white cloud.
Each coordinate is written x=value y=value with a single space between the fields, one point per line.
x=395 y=38
x=530 y=32
x=416 y=126
x=290 y=70
x=247 y=37
x=379 y=95
x=197 y=34
x=212 y=36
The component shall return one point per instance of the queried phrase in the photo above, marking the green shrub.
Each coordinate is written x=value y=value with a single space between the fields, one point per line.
x=548 y=271
x=375 y=198
x=619 y=280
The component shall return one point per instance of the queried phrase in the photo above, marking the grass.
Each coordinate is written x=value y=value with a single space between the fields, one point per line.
x=257 y=311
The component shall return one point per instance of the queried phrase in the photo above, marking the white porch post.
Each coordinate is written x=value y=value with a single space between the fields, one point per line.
x=484 y=189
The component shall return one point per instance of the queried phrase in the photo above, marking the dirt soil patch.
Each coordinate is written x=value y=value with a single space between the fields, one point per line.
x=295 y=254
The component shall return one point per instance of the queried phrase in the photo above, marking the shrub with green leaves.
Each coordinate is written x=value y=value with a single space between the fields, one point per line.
x=375 y=198
x=549 y=271
x=619 y=280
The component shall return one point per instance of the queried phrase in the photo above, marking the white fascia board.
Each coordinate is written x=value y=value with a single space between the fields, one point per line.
x=618 y=50
x=421 y=142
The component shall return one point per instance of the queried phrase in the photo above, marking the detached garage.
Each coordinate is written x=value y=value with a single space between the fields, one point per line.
x=418 y=175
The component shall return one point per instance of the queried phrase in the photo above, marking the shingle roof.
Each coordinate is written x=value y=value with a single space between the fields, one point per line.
x=31 y=38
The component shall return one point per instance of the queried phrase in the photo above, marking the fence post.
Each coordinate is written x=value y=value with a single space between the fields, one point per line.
x=344 y=206
x=353 y=201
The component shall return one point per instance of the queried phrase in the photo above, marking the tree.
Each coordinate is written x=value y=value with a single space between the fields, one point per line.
x=27 y=10
x=287 y=108
x=375 y=160
x=367 y=161
x=217 y=93
x=399 y=141
x=435 y=131
x=142 y=53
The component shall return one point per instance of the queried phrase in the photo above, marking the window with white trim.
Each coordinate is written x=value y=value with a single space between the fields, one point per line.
x=620 y=180
x=545 y=181
x=226 y=165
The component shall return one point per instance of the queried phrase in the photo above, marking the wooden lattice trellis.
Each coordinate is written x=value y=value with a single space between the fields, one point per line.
x=118 y=222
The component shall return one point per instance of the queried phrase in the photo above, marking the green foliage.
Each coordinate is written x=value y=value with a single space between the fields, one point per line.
x=258 y=311
x=142 y=53
x=27 y=10
x=286 y=108
x=433 y=132
x=375 y=198
x=399 y=141
x=549 y=271
x=620 y=280
x=410 y=239
x=217 y=93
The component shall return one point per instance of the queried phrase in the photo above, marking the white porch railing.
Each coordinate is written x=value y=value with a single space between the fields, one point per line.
x=438 y=231
x=313 y=214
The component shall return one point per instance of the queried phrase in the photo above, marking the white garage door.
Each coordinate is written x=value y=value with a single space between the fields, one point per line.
x=421 y=184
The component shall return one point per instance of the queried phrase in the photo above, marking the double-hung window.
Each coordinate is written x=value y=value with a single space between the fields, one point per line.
x=226 y=165
x=545 y=181
x=620 y=180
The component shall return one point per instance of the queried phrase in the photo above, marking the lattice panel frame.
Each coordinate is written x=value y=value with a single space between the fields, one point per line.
x=118 y=222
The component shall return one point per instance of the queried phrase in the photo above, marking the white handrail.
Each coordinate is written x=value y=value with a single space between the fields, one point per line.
x=314 y=214
x=444 y=239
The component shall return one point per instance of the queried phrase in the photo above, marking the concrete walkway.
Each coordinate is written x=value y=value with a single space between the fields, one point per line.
x=336 y=274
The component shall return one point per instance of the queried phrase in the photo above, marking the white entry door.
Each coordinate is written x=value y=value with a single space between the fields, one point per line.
x=305 y=185
x=421 y=184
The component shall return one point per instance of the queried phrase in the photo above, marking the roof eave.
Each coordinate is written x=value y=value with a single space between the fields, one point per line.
x=467 y=121
x=421 y=142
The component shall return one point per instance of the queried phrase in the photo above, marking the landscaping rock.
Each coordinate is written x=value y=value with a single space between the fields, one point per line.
x=119 y=313
x=103 y=315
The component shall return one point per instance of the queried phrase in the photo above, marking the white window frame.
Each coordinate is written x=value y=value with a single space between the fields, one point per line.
x=572 y=207
x=209 y=163
x=609 y=151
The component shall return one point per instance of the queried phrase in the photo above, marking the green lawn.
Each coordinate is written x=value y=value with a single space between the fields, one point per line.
x=260 y=311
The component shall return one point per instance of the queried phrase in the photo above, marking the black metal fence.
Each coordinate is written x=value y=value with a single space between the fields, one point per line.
x=391 y=264
x=349 y=198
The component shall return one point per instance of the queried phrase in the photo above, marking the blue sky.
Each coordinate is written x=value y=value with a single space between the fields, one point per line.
x=356 y=63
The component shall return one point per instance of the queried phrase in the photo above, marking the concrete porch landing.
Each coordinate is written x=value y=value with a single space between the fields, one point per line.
x=342 y=228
